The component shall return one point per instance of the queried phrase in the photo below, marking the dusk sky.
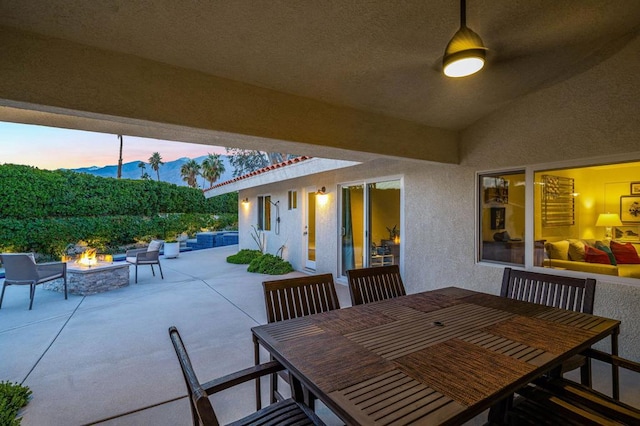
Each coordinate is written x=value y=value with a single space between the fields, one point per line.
x=53 y=148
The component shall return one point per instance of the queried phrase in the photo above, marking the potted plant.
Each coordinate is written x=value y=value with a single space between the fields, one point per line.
x=171 y=247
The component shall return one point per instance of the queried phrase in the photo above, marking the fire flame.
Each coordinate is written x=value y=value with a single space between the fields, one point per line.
x=88 y=258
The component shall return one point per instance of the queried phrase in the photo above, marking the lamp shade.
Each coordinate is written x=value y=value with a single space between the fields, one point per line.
x=464 y=54
x=608 y=219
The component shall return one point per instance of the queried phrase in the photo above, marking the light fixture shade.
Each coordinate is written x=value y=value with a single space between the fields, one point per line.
x=608 y=219
x=464 y=54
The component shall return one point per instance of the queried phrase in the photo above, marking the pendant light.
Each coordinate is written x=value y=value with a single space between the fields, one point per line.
x=465 y=52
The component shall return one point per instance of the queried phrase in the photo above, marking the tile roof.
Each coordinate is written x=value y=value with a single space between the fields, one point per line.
x=261 y=171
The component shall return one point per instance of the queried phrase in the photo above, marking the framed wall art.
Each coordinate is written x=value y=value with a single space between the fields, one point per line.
x=635 y=188
x=558 y=204
x=497 y=217
x=626 y=233
x=630 y=208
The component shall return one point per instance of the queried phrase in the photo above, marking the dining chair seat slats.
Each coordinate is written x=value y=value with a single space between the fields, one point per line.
x=283 y=413
x=374 y=284
x=286 y=412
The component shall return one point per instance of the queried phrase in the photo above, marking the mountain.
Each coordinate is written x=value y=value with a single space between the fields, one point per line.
x=169 y=171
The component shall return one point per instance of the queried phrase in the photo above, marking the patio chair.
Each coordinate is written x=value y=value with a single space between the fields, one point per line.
x=294 y=298
x=146 y=256
x=374 y=284
x=561 y=401
x=287 y=412
x=574 y=294
x=21 y=269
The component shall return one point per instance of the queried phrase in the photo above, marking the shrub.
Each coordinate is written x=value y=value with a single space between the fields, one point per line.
x=270 y=264
x=12 y=398
x=243 y=257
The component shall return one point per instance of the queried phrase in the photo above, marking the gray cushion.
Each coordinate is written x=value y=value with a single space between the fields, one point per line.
x=154 y=245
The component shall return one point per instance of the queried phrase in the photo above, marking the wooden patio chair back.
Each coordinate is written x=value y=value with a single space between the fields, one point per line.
x=288 y=412
x=293 y=298
x=298 y=297
x=574 y=294
x=374 y=284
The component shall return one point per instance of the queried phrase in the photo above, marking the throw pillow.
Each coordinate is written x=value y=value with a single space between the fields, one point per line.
x=154 y=245
x=607 y=250
x=558 y=250
x=593 y=255
x=576 y=250
x=624 y=253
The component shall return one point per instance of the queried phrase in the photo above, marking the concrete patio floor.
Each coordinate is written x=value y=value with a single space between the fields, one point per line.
x=107 y=359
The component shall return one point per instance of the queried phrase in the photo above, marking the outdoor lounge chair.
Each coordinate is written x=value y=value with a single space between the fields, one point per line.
x=21 y=269
x=146 y=256
x=294 y=298
x=287 y=412
x=374 y=284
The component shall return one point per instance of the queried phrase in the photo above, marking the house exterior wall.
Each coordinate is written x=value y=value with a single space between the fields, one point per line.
x=591 y=115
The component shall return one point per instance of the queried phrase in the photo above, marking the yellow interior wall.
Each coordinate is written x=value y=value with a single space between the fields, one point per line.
x=599 y=189
x=385 y=212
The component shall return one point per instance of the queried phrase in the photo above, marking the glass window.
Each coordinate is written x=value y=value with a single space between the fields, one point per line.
x=502 y=217
x=264 y=213
x=292 y=200
x=582 y=212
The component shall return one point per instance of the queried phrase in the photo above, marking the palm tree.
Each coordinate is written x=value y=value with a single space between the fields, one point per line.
x=142 y=166
x=156 y=161
x=119 y=174
x=189 y=172
x=212 y=168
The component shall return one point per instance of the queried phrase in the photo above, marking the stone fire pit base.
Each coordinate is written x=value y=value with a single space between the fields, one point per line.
x=87 y=280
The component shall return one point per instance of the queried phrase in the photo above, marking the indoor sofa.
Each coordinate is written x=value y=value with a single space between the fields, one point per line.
x=585 y=256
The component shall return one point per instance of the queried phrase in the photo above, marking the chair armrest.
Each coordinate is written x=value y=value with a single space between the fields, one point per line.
x=147 y=255
x=612 y=359
x=134 y=252
x=241 y=376
x=56 y=267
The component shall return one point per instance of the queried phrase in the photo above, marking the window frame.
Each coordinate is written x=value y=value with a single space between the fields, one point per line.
x=530 y=171
x=292 y=199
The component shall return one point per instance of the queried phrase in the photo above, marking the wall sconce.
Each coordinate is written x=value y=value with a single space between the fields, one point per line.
x=245 y=201
x=321 y=191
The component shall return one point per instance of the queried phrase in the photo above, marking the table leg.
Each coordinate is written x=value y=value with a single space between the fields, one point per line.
x=615 y=373
x=256 y=360
x=498 y=412
x=297 y=391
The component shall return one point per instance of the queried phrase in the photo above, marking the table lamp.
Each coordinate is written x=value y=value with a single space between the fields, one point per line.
x=608 y=220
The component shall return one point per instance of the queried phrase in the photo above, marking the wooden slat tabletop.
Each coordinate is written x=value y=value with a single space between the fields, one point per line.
x=438 y=357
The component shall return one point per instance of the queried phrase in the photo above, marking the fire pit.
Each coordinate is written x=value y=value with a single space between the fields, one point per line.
x=87 y=275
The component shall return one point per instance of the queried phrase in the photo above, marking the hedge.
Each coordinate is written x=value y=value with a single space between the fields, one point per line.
x=45 y=211
x=29 y=192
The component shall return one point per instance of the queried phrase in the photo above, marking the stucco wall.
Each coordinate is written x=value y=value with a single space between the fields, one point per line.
x=591 y=115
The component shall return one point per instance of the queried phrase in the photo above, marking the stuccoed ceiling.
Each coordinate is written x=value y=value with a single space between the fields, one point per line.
x=381 y=56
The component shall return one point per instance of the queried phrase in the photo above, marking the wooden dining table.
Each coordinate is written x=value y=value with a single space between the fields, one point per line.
x=437 y=357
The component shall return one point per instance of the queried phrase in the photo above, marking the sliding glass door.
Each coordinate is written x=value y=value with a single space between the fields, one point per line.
x=370 y=224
